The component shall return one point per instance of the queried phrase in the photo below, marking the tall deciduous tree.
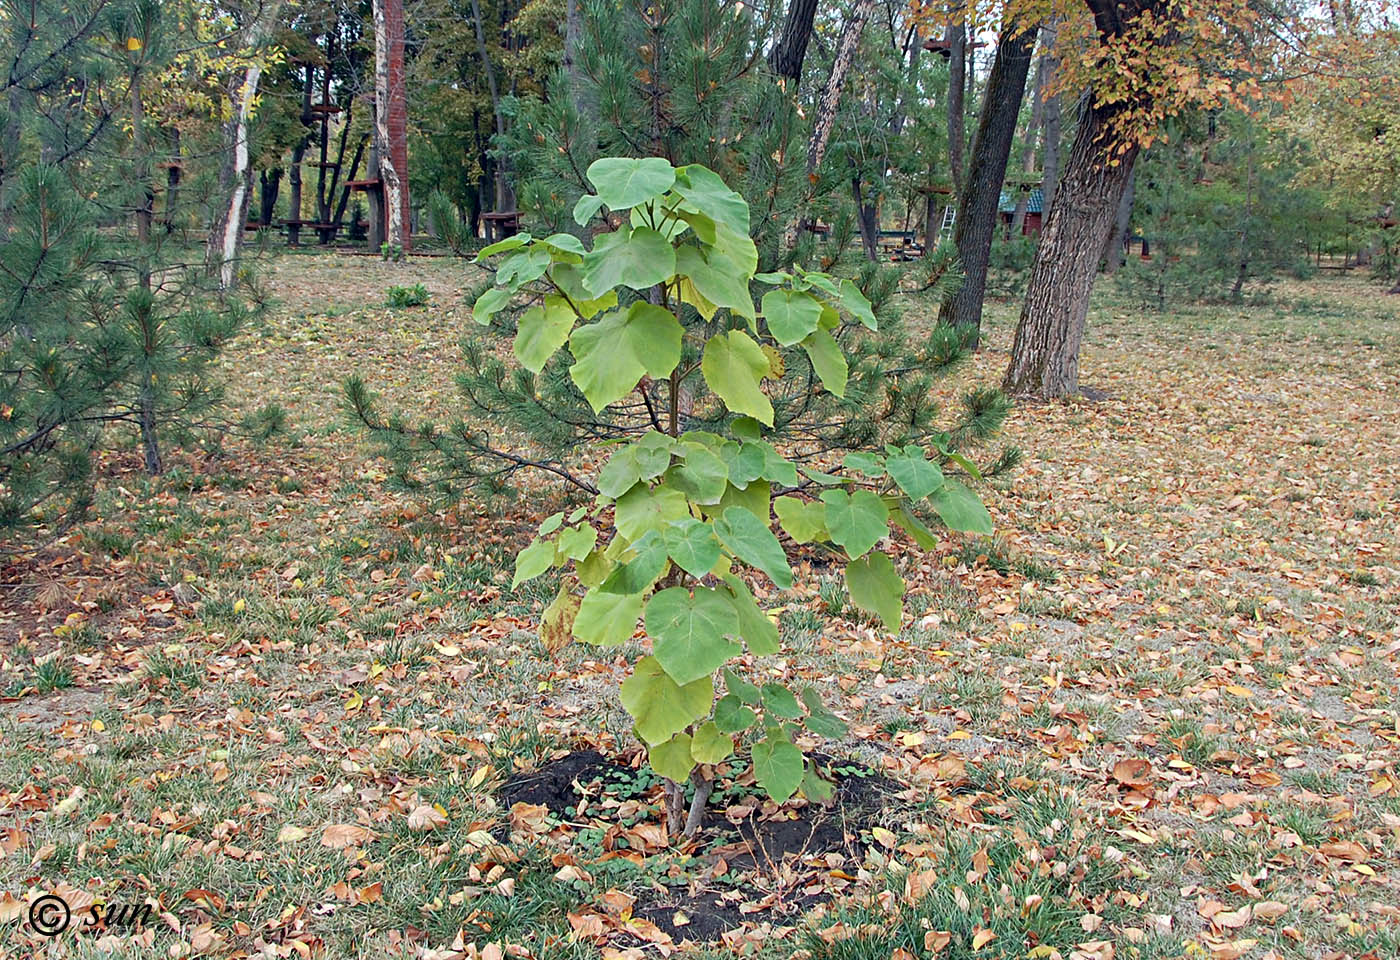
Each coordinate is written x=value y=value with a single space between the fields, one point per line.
x=981 y=191
x=787 y=56
x=1146 y=60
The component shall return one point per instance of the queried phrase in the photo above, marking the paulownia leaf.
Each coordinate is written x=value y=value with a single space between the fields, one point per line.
x=803 y=520
x=692 y=545
x=820 y=720
x=672 y=759
x=960 y=508
x=710 y=745
x=791 y=315
x=513 y=242
x=778 y=766
x=856 y=521
x=875 y=587
x=532 y=561
x=624 y=182
x=828 y=360
x=642 y=508
x=607 y=619
x=659 y=706
x=916 y=476
x=716 y=279
x=641 y=460
x=638 y=258
x=778 y=701
x=731 y=716
x=703 y=189
x=612 y=354
x=490 y=303
x=733 y=365
x=541 y=331
x=557 y=624
x=689 y=632
x=757 y=630
x=641 y=571
x=751 y=541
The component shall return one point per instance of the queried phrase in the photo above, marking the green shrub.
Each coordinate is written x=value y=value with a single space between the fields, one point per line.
x=414 y=296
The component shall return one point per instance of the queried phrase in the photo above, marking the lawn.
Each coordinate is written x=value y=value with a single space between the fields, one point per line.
x=1158 y=715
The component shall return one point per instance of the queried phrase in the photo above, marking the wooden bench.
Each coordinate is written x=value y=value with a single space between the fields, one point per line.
x=500 y=224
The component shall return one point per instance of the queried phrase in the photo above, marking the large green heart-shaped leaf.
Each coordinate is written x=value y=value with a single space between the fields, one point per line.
x=641 y=509
x=568 y=277
x=916 y=476
x=856 y=304
x=778 y=701
x=639 y=259
x=575 y=543
x=828 y=360
x=820 y=720
x=672 y=759
x=532 y=561
x=624 y=182
x=733 y=365
x=875 y=587
x=960 y=508
x=612 y=354
x=502 y=246
x=804 y=521
x=689 y=632
x=586 y=208
x=758 y=631
x=716 y=279
x=791 y=315
x=641 y=460
x=490 y=303
x=607 y=619
x=692 y=545
x=659 y=706
x=778 y=767
x=541 y=331
x=750 y=539
x=731 y=716
x=710 y=744
x=703 y=189
x=700 y=474
x=640 y=572
x=856 y=521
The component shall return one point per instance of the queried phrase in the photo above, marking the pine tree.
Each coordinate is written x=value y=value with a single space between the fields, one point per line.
x=688 y=81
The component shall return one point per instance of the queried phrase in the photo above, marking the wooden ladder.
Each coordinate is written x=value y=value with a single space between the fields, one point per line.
x=950 y=216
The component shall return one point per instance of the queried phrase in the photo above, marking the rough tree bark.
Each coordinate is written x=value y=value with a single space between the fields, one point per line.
x=957 y=86
x=505 y=196
x=1018 y=216
x=831 y=96
x=1113 y=254
x=391 y=178
x=1051 y=130
x=1045 y=355
x=270 y=182
x=790 y=51
x=991 y=148
x=226 y=234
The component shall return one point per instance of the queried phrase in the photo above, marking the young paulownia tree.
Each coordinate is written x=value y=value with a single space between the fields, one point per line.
x=682 y=516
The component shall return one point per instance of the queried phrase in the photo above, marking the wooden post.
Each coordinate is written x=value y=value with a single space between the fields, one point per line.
x=391 y=119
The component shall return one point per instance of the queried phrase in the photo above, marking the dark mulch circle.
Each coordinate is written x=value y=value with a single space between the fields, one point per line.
x=753 y=848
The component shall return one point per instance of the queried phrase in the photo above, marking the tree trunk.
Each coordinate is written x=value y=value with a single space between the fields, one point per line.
x=226 y=233
x=1050 y=122
x=1045 y=356
x=271 y=182
x=573 y=27
x=390 y=178
x=1018 y=216
x=981 y=194
x=505 y=196
x=868 y=219
x=790 y=51
x=1113 y=251
x=1238 y=289
x=172 y=182
x=345 y=191
x=141 y=177
x=957 y=84
x=831 y=96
